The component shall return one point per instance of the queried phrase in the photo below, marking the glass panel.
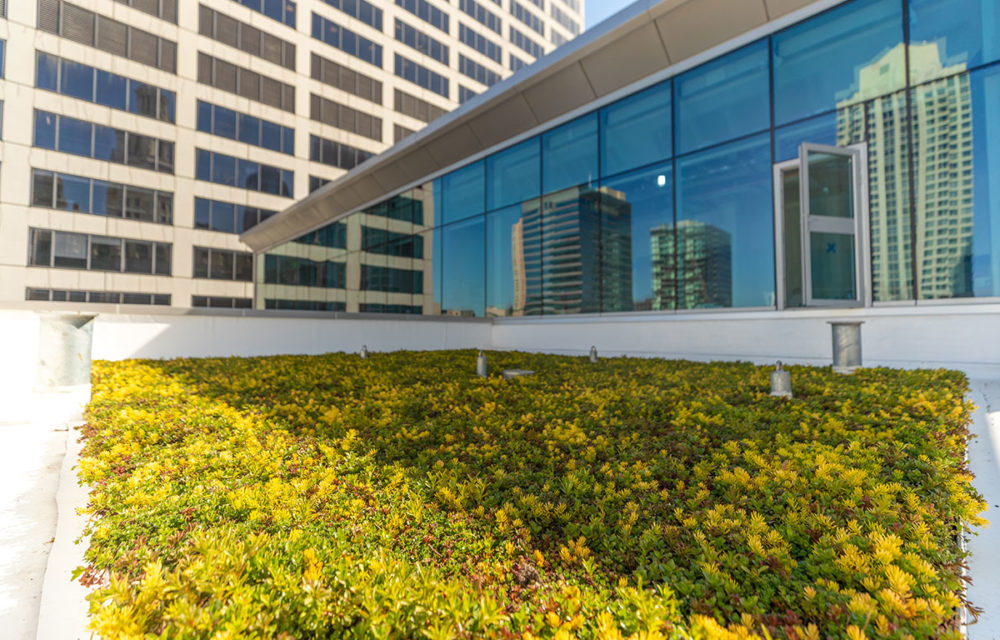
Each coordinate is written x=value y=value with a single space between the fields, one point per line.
x=464 y=268
x=221 y=265
x=223 y=169
x=75 y=136
x=163 y=254
x=636 y=211
x=42 y=188
x=77 y=80
x=822 y=129
x=571 y=251
x=203 y=165
x=45 y=130
x=849 y=51
x=723 y=99
x=139 y=204
x=142 y=99
x=249 y=129
x=270 y=137
x=109 y=144
x=831 y=256
x=792 y=237
x=462 y=193
x=513 y=175
x=111 y=90
x=248 y=175
x=724 y=235
x=138 y=257
x=636 y=131
x=569 y=154
x=223 y=217
x=47 y=74
x=72 y=193
x=831 y=185
x=99 y=197
x=966 y=34
x=204 y=117
x=141 y=151
x=41 y=247
x=200 y=262
x=244 y=267
x=224 y=123
x=105 y=254
x=513 y=261
x=168 y=102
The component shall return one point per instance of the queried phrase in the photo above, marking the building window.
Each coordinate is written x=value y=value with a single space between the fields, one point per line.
x=391 y=280
x=244 y=37
x=377 y=307
x=243 y=82
x=65 y=250
x=346 y=40
x=281 y=10
x=477 y=72
x=516 y=64
x=281 y=304
x=315 y=182
x=86 y=27
x=344 y=117
x=391 y=243
x=166 y=9
x=336 y=154
x=216 y=302
x=422 y=42
x=415 y=107
x=532 y=21
x=465 y=94
x=226 y=216
x=85 y=195
x=340 y=77
x=219 y=264
x=399 y=132
x=361 y=10
x=426 y=12
x=480 y=43
x=69 y=135
x=97 y=297
x=332 y=236
x=557 y=38
x=53 y=73
x=421 y=76
x=564 y=19
x=243 y=174
x=481 y=14
x=245 y=128
x=303 y=272
x=525 y=43
x=3 y=46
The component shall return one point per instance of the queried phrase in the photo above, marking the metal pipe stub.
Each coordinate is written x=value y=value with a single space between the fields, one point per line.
x=846 y=335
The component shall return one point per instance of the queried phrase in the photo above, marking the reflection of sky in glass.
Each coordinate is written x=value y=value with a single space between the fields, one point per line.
x=967 y=31
x=463 y=267
x=499 y=261
x=649 y=193
x=986 y=178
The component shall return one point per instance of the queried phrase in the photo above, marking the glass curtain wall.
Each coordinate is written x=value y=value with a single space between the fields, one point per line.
x=663 y=200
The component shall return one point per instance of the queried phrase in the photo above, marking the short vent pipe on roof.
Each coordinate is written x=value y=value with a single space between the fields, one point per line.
x=846 y=336
x=781 y=382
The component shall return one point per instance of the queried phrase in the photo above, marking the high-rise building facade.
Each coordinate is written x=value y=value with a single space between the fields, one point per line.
x=138 y=138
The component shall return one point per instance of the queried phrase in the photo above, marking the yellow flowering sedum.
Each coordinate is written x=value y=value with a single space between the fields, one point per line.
x=401 y=496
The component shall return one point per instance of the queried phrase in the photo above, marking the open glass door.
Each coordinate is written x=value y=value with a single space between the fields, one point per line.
x=821 y=228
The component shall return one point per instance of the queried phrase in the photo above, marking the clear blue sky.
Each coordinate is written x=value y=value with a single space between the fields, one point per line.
x=597 y=10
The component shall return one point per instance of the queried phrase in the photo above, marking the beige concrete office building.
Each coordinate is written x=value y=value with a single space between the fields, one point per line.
x=139 y=137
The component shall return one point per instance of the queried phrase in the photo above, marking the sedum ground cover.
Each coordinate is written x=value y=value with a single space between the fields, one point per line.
x=400 y=496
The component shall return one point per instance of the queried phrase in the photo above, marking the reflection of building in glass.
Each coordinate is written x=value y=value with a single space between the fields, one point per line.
x=557 y=253
x=704 y=255
x=942 y=169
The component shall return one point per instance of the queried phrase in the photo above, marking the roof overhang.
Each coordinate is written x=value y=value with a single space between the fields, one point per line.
x=638 y=41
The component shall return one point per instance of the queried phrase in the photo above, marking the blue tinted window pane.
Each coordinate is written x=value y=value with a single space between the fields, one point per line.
x=288 y=142
x=77 y=80
x=724 y=237
x=223 y=169
x=569 y=154
x=248 y=175
x=636 y=210
x=274 y=9
x=224 y=123
x=464 y=268
x=47 y=73
x=287 y=183
x=571 y=251
x=513 y=260
x=168 y=105
x=223 y=217
x=636 y=131
x=821 y=129
x=142 y=99
x=204 y=117
x=75 y=136
x=45 y=130
x=202 y=213
x=101 y=191
x=249 y=129
x=270 y=137
x=724 y=99
x=109 y=144
x=112 y=90
x=838 y=54
x=72 y=193
x=270 y=179
x=966 y=32
x=203 y=165
x=462 y=193
x=514 y=175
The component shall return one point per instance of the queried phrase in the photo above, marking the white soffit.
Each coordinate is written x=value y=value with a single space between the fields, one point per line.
x=638 y=41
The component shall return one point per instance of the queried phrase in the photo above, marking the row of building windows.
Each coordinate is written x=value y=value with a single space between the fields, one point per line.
x=344 y=117
x=564 y=19
x=166 y=9
x=86 y=27
x=227 y=217
x=480 y=43
x=219 y=302
x=532 y=21
x=420 y=75
x=282 y=304
x=245 y=128
x=303 y=272
x=65 y=250
x=333 y=236
x=96 y=297
x=422 y=42
x=414 y=107
x=391 y=243
x=281 y=10
x=69 y=135
x=86 y=195
x=525 y=43
x=426 y=12
x=557 y=38
x=244 y=174
x=480 y=14
x=244 y=82
x=220 y=264
x=346 y=79
x=102 y=87
x=361 y=10
x=336 y=154
x=245 y=37
x=346 y=40
x=477 y=72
